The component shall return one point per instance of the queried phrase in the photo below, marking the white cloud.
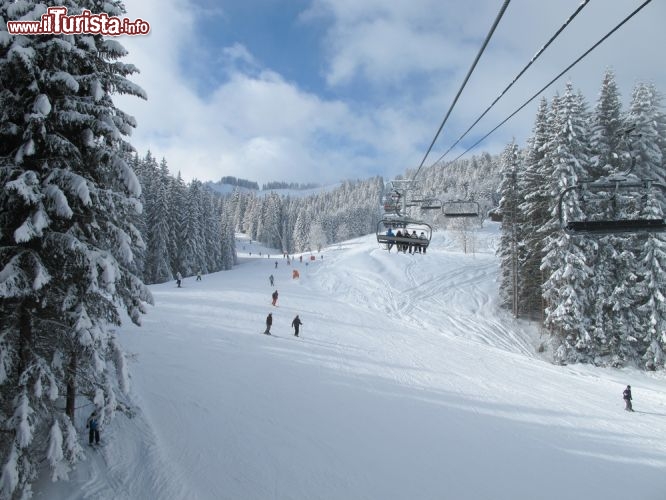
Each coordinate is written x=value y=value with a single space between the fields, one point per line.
x=411 y=54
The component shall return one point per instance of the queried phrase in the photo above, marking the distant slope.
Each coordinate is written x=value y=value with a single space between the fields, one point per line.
x=227 y=189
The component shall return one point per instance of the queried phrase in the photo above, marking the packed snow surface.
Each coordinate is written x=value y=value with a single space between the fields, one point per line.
x=408 y=382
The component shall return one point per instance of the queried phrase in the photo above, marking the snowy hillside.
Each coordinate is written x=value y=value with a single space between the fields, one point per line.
x=407 y=383
x=226 y=189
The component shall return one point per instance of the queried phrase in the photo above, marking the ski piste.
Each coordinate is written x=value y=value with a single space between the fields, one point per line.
x=416 y=355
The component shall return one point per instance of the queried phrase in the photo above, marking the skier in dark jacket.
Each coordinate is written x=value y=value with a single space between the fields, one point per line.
x=626 y=395
x=271 y=279
x=296 y=324
x=93 y=428
x=275 y=297
x=269 y=323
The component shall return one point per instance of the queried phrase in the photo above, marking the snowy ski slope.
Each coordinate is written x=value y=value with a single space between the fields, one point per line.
x=408 y=383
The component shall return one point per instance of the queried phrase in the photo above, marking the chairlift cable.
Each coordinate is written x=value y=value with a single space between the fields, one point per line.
x=469 y=74
x=587 y=52
x=517 y=77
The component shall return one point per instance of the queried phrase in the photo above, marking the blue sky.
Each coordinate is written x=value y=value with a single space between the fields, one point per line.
x=325 y=90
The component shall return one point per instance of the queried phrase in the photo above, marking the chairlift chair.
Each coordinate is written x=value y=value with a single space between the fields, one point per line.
x=610 y=192
x=430 y=204
x=403 y=224
x=460 y=209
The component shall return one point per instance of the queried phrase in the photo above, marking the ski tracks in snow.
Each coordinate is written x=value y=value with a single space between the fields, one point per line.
x=404 y=287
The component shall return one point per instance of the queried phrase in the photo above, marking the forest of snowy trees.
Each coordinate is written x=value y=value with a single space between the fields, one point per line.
x=186 y=227
x=299 y=224
x=599 y=298
x=85 y=222
x=191 y=228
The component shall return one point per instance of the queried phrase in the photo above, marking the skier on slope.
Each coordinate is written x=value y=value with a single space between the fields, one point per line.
x=271 y=279
x=93 y=425
x=296 y=324
x=269 y=323
x=626 y=395
x=275 y=297
x=179 y=278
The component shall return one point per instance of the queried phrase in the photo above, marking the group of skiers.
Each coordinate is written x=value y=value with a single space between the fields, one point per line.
x=295 y=324
x=419 y=245
x=179 y=278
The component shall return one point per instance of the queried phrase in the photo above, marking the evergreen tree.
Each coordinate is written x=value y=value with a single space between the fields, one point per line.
x=67 y=206
x=535 y=207
x=649 y=337
x=607 y=130
x=566 y=259
x=158 y=268
x=177 y=199
x=507 y=250
x=192 y=240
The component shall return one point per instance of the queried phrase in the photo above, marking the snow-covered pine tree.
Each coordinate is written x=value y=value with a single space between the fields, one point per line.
x=252 y=216
x=227 y=234
x=508 y=251
x=67 y=241
x=192 y=231
x=301 y=231
x=272 y=222
x=607 y=130
x=645 y=114
x=158 y=259
x=139 y=219
x=566 y=259
x=177 y=203
x=239 y=204
x=608 y=156
x=535 y=207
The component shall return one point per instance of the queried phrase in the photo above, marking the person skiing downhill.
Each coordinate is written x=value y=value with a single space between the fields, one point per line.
x=179 y=278
x=271 y=279
x=296 y=324
x=275 y=297
x=269 y=323
x=93 y=425
x=626 y=395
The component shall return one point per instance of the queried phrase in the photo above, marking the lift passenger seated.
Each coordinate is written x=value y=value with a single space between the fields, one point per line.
x=402 y=224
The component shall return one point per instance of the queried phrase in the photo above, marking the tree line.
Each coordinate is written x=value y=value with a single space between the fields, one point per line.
x=186 y=228
x=600 y=299
x=298 y=224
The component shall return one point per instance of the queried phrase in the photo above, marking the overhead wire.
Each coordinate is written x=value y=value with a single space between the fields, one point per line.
x=585 y=54
x=469 y=73
x=517 y=77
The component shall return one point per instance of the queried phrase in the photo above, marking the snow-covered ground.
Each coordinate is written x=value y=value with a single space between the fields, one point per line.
x=408 y=383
